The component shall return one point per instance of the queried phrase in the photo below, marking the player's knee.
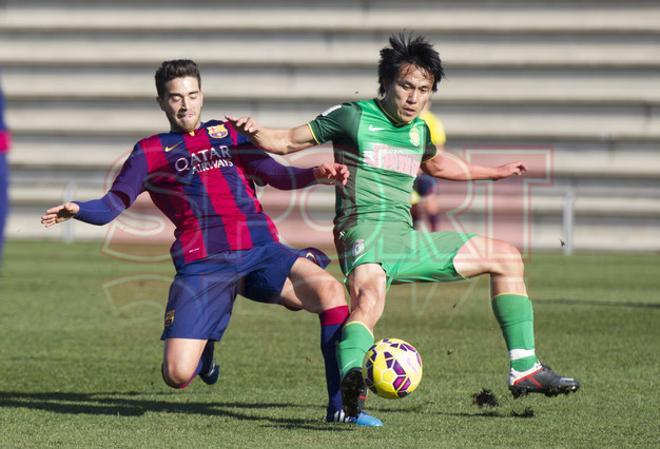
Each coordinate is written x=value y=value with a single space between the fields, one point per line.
x=177 y=375
x=508 y=259
x=292 y=307
x=368 y=289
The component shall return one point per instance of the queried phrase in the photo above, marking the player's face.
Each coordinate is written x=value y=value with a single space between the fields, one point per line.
x=409 y=92
x=182 y=104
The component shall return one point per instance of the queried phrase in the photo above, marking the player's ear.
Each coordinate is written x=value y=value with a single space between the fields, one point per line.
x=387 y=88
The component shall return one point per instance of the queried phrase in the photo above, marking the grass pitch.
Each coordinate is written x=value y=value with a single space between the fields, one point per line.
x=80 y=360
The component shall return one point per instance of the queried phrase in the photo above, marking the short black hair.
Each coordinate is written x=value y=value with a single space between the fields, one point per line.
x=408 y=49
x=176 y=68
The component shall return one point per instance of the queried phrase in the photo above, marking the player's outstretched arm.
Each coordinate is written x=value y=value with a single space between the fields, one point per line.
x=128 y=184
x=60 y=213
x=97 y=212
x=453 y=168
x=274 y=140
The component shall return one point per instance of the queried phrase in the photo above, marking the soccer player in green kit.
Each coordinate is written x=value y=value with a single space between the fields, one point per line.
x=384 y=143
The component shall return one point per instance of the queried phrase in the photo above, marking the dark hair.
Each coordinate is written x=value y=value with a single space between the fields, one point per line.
x=177 y=68
x=408 y=49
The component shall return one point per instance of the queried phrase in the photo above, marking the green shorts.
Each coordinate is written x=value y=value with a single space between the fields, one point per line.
x=406 y=255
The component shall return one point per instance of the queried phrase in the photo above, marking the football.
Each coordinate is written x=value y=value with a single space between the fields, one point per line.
x=392 y=368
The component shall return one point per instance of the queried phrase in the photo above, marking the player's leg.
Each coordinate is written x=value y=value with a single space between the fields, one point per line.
x=182 y=360
x=185 y=358
x=198 y=311
x=367 y=288
x=514 y=313
x=296 y=280
x=311 y=288
x=366 y=253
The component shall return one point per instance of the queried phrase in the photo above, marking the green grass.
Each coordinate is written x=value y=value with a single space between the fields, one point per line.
x=80 y=362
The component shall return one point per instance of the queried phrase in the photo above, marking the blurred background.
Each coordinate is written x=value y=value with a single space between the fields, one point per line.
x=577 y=83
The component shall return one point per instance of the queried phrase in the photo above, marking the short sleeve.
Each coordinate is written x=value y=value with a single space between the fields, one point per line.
x=430 y=150
x=335 y=122
x=131 y=177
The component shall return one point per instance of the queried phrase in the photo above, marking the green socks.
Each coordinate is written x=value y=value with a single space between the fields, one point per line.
x=516 y=317
x=356 y=339
x=513 y=312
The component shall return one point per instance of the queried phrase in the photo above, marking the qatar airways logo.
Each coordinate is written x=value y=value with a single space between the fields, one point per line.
x=204 y=160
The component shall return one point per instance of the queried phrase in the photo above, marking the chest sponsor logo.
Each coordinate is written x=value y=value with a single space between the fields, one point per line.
x=400 y=160
x=217 y=131
x=204 y=160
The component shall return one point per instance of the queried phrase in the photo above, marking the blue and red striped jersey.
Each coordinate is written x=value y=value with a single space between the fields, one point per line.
x=5 y=140
x=202 y=182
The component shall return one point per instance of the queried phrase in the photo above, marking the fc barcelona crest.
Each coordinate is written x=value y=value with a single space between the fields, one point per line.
x=169 y=318
x=217 y=131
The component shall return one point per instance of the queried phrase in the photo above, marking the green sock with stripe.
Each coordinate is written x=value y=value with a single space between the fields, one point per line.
x=356 y=339
x=515 y=315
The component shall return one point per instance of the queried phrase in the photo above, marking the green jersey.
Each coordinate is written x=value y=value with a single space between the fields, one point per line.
x=383 y=158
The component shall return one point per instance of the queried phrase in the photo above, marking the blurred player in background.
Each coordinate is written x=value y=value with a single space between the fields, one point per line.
x=384 y=142
x=4 y=173
x=424 y=199
x=202 y=176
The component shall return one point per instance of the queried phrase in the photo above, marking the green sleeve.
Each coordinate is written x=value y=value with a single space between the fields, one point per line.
x=430 y=149
x=335 y=123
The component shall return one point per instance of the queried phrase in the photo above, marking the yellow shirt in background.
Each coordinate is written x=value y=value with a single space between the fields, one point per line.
x=438 y=136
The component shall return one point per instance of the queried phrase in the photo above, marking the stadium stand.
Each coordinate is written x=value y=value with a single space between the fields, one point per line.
x=579 y=80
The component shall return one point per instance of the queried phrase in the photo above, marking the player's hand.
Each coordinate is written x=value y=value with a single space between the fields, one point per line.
x=244 y=125
x=58 y=214
x=510 y=169
x=331 y=173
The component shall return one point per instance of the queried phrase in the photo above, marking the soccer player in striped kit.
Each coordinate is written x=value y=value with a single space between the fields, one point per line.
x=202 y=176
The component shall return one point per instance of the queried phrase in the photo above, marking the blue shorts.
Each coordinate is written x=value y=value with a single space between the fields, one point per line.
x=425 y=185
x=202 y=294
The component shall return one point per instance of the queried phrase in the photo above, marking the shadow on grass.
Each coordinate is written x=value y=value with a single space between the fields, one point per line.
x=487 y=414
x=423 y=408
x=121 y=404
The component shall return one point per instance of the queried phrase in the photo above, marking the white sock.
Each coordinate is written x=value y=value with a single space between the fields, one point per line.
x=515 y=375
